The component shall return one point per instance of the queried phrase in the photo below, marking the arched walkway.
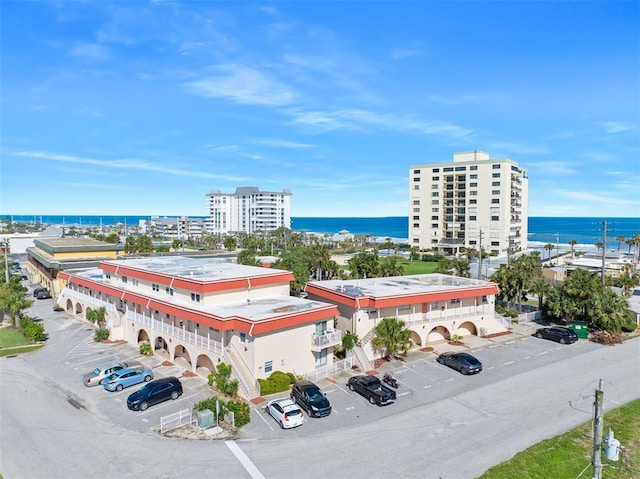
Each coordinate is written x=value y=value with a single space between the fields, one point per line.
x=181 y=357
x=69 y=306
x=204 y=365
x=467 y=328
x=160 y=347
x=415 y=337
x=439 y=333
x=78 y=309
x=142 y=336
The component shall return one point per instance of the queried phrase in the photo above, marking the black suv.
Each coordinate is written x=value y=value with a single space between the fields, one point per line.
x=39 y=290
x=311 y=399
x=154 y=392
x=558 y=333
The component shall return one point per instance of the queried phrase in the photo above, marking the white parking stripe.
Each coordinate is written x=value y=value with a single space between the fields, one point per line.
x=244 y=460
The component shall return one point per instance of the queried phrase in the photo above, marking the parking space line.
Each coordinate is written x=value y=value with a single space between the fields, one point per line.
x=493 y=346
x=261 y=416
x=508 y=362
x=249 y=466
x=542 y=352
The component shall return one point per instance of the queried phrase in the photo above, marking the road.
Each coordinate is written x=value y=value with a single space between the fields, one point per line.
x=48 y=429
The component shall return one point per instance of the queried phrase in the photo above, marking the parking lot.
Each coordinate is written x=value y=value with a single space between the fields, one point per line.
x=421 y=382
x=71 y=352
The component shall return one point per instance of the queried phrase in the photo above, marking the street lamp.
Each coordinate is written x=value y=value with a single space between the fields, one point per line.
x=6 y=260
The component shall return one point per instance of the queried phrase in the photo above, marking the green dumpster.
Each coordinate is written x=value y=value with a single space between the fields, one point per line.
x=581 y=328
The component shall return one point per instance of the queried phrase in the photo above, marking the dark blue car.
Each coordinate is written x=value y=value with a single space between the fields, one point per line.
x=464 y=363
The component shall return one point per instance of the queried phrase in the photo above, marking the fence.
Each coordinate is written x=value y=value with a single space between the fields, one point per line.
x=329 y=369
x=175 y=420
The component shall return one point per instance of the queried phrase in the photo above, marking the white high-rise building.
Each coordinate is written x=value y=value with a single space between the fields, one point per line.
x=473 y=202
x=248 y=210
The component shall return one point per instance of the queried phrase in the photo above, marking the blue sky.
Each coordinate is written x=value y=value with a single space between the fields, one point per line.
x=141 y=108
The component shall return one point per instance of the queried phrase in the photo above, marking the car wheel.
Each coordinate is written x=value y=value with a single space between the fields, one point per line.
x=440 y=360
x=293 y=398
x=351 y=388
x=119 y=387
x=174 y=395
x=147 y=378
x=464 y=371
x=372 y=400
x=144 y=406
x=563 y=341
x=281 y=425
x=100 y=383
x=539 y=335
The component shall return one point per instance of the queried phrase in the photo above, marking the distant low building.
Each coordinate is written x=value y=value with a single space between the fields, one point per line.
x=50 y=256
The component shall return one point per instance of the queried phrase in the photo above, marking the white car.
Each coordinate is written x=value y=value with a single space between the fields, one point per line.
x=95 y=377
x=286 y=412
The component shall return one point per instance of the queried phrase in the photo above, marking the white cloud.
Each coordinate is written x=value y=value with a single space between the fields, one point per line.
x=401 y=53
x=91 y=52
x=616 y=126
x=553 y=168
x=125 y=164
x=282 y=143
x=243 y=84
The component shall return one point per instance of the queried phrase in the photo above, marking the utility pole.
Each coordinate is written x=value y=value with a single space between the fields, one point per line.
x=480 y=258
x=557 y=249
x=604 y=249
x=597 y=433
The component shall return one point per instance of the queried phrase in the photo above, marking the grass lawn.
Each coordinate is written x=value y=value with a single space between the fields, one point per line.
x=567 y=455
x=417 y=267
x=10 y=337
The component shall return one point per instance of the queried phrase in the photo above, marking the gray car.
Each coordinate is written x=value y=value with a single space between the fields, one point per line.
x=95 y=377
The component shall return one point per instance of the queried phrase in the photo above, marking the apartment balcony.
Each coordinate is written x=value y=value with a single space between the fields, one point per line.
x=175 y=332
x=450 y=314
x=326 y=340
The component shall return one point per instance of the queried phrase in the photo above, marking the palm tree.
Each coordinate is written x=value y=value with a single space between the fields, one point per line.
x=540 y=288
x=97 y=316
x=572 y=243
x=620 y=239
x=599 y=245
x=549 y=247
x=392 y=335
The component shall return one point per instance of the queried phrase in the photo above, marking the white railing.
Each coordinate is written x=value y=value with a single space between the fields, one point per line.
x=96 y=302
x=176 y=332
x=329 y=369
x=327 y=339
x=465 y=312
x=175 y=420
x=246 y=369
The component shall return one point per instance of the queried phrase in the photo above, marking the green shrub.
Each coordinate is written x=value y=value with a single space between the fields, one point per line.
x=102 y=334
x=292 y=378
x=145 y=348
x=455 y=338
x=499 y=309
x=511 y=313
x=31 y=330
x=277 y=382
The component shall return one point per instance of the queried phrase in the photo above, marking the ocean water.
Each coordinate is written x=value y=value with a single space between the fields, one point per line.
x=587 y=231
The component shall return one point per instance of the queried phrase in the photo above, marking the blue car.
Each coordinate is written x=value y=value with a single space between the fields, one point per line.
x=126 y=377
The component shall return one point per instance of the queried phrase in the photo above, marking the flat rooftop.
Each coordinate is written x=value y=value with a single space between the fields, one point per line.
x=201 y=269
x=400 y=285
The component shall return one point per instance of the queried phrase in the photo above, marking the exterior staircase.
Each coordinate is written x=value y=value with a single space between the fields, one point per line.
x=239 y=369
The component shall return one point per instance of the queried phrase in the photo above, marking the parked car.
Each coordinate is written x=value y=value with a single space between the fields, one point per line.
x=126 y=377
x=464 y=363
x=96 y=376
x=39 y=290
x=310 y=398
x=287 y=413
x=43 y=294
x=372 y=388
x=557 y=333
x=155 y=392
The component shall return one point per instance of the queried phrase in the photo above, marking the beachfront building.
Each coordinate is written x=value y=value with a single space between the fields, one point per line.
x=433 y=306
x=475 y=201
x=48 y=257
x=248 y=210
x=198 y=312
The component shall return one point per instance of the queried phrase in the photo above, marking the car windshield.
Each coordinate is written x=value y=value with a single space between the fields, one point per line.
x=97 y=371
x=293 y=412
x=145 y=389
x=315 y=395
x=111 y=377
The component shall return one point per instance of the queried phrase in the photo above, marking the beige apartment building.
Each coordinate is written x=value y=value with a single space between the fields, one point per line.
x=475 y=201
x=199 y=312
x=434 y=307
